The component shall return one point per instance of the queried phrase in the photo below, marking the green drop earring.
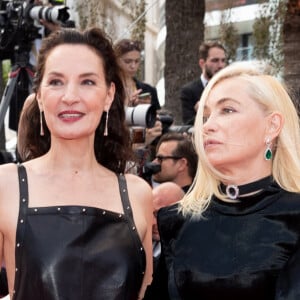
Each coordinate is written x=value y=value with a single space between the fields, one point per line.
x=268 y=152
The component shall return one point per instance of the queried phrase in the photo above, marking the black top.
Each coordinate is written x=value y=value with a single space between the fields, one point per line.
x=77 y=253
x=147 y=88
x=189 y=95
x=246 y=250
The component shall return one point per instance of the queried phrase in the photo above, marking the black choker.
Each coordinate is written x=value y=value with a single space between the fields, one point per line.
x=234 y=191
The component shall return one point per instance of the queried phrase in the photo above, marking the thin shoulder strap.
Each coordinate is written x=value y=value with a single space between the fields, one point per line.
x=128 y=212
x=124 y=196
x=22 y=218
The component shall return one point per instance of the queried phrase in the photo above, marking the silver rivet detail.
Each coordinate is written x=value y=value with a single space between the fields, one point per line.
x=133 y=228
x=24 y=200
x=18 y=244
x=124 y=190
x=58 y=208
x=104 y=212
x=16 y=269
x=120 y=215
x=23 y=179
x=35 y=209
x=83 y=209
x=128 y=207
x=21 y=221
x=141 y=248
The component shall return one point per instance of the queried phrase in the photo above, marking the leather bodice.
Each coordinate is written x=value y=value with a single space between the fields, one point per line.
x=75 y=252
x=243 y=250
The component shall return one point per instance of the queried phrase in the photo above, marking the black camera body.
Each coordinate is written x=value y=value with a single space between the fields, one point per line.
x=17 y=29
x=148 y=169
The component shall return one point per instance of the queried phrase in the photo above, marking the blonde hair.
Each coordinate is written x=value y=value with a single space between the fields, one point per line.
x=272 y=96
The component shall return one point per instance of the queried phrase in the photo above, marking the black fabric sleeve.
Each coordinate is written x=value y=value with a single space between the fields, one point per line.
x=288 y=284
x=187 y=105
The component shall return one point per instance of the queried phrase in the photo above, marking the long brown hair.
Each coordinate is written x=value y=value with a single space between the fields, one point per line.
x=112 y=151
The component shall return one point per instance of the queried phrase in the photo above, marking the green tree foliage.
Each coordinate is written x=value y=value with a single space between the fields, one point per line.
x=268 y=33
x=136 y=11
x=229 y=36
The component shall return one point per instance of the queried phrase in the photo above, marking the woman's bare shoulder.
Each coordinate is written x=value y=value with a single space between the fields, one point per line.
x=8 y=172
x=8 y=179
x=138 y=188
x=136 y=182
x=9 y=190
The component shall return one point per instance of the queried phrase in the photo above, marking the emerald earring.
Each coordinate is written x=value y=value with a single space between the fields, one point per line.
x=268 y=152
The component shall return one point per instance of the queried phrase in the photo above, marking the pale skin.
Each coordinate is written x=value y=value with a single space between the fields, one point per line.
x=73 y=97
x=235 y=132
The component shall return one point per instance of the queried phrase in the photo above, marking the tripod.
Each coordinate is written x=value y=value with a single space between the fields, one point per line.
x=21 y=74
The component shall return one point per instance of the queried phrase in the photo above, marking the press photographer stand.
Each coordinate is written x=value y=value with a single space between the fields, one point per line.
x=20 y=79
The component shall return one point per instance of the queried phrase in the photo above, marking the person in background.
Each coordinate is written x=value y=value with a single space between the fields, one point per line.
x=128 y=53
x=212 y=58
x=72 y=225
x=164 y=194
x=236 y=233
x=176 y=155
x=43 y=28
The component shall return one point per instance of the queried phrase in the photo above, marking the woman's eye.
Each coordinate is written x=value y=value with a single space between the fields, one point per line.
x=204 y=119
x=88 y=82
x=55 y=82
x=228 y=110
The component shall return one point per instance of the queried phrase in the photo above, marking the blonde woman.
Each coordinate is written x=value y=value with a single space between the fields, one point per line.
x=236 y=233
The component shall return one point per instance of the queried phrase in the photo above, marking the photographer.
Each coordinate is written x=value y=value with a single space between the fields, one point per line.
x=177 y=158
x=23 y=25
x=145 y=129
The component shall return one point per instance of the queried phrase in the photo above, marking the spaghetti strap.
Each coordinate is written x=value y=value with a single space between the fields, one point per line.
x=128 y=211
x=22 y=220
x=124 y=196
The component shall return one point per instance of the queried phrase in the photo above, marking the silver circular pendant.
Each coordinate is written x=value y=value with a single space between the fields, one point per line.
x=232 y=191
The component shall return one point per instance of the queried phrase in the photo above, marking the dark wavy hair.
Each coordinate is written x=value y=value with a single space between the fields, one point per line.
x=184 y=148
x=126 y=45
x=112 y=151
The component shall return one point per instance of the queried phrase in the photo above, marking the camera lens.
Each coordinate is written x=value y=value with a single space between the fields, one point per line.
x=56 y=14
x=141 y=115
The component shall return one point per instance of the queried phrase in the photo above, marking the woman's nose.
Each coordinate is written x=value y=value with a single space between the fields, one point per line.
x=71 y=94
x=209 y=123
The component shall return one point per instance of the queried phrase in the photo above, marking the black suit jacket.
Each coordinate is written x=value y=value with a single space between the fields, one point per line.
x=147 y=88
x=189 y=96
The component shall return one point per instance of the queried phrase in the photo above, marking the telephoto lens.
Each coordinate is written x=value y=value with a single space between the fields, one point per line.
x=141 y=115
x=56 y=14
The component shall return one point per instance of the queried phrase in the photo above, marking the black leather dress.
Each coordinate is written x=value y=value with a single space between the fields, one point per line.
x=246 y=250
x=77 y=253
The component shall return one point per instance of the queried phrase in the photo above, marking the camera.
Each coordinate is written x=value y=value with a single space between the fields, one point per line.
x=17 y=29
x=55 y=14
x=148 y=169
x=141 y=115
x=151 y=168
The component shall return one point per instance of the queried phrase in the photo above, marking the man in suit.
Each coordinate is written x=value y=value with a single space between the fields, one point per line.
x=212 y=58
